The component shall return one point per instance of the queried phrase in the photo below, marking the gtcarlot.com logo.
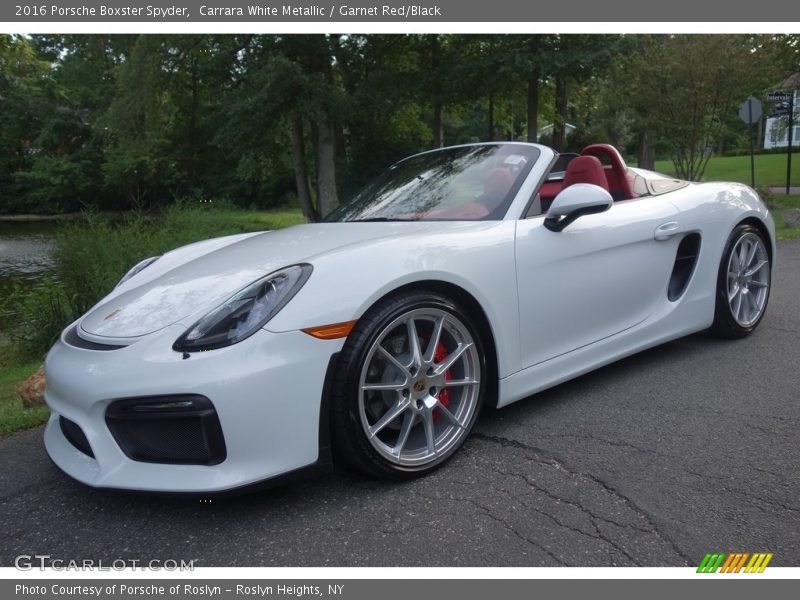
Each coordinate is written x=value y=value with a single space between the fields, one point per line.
x=28 y=562
x=734 y=562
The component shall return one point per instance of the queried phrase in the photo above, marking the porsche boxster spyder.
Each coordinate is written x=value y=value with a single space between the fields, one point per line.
x=462 y=278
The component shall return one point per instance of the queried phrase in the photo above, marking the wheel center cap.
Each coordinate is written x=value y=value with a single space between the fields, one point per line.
x=420 y=386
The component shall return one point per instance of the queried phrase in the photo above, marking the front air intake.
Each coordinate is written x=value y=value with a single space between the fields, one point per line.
x=168 y=429
x=75 y=435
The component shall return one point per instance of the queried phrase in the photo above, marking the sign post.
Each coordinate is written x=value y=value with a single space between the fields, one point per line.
x=786 y=97
x=750 y=112
x=789 y=156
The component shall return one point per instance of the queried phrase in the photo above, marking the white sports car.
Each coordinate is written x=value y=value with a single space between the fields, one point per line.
x=463 y=277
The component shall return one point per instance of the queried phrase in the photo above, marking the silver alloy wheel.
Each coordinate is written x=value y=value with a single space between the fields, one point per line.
x=419 y=387
x=748 y=279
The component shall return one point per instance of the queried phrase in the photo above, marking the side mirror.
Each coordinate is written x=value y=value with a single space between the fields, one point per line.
x=577 y=200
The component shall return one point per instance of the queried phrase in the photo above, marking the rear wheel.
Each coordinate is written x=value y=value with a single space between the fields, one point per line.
x=743 y=283
x=409 y=386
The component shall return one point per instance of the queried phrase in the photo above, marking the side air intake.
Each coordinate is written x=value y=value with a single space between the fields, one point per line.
x=685 y=261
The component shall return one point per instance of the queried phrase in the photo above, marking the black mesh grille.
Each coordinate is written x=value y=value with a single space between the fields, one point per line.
x=75 y=436
x=167 y=429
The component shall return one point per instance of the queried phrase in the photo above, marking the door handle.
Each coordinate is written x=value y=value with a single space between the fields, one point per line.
x=667 y=230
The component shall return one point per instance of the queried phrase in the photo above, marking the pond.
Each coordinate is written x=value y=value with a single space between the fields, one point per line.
x=25 y=255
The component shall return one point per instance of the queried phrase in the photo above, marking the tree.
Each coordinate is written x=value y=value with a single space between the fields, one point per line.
x=571 y=60
x=70 y=143
x=683 y=86
x=783 y=52
x=534 y=70
x=24 y=102
x=118 y=120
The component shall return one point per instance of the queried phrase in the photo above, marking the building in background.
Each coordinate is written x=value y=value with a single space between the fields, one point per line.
x=776 y=132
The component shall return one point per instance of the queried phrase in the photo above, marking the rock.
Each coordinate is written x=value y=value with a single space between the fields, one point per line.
x=32 y=389
x=792 y=217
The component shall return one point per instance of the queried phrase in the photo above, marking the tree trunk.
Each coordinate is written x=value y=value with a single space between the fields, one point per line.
x=533 y=105
x=560 y=125
x=353 y=125
x=438 y=127
x=300 y=171
x=438 y=104
x=491 y=137
x=646 y=158
x=323 y=128
x=759 y=141
x=341 y=151
x=342 y=64
x=327 y=197
x=193 y=120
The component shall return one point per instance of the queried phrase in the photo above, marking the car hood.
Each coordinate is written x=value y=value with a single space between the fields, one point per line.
x=198 y=277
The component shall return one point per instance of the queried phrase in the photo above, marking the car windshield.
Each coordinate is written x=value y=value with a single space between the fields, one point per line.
x=464 y=183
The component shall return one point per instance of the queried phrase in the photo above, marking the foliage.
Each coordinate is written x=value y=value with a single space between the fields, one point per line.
x=135 y=121
x=23 y=86
x=687 y=89
x=41 y=313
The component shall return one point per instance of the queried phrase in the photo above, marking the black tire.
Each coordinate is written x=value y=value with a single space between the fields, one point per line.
x=726 y=323
x=349 y=415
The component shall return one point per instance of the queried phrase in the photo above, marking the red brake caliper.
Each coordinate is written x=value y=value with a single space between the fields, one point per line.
x=444 y=395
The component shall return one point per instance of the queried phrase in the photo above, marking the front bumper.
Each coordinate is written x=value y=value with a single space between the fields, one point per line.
x=267 y=392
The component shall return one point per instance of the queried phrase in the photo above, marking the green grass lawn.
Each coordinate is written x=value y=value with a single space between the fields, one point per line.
x=777 y=205
x=770 y=169
x=13 y=371
x=248 y=220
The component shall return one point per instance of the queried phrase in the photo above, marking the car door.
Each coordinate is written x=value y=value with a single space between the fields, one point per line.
x=603 y=274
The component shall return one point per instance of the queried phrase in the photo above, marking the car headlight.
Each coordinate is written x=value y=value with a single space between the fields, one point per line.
x=138 y=267
x=244 y=313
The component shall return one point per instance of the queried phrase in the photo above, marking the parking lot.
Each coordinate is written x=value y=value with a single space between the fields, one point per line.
x=684 y=449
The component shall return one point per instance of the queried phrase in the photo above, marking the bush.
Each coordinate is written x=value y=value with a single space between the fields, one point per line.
x=42 y=313
x=758 y=150
x=91 y=256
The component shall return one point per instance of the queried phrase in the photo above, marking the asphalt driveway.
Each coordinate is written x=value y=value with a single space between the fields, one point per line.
x=687 y=448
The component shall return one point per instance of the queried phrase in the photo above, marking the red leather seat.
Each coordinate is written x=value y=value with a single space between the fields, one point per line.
x=585 y=169
x=620 y=180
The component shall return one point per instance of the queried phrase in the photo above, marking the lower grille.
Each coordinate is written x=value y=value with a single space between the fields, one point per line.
x=75 y=436
x=168 y=429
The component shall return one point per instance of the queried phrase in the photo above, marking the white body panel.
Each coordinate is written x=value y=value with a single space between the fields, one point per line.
x=558 y=304
x=266 y=392
x=623 y=275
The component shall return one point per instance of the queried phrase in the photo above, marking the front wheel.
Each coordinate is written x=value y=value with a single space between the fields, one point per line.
x=409 y=386
x=743 y=283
